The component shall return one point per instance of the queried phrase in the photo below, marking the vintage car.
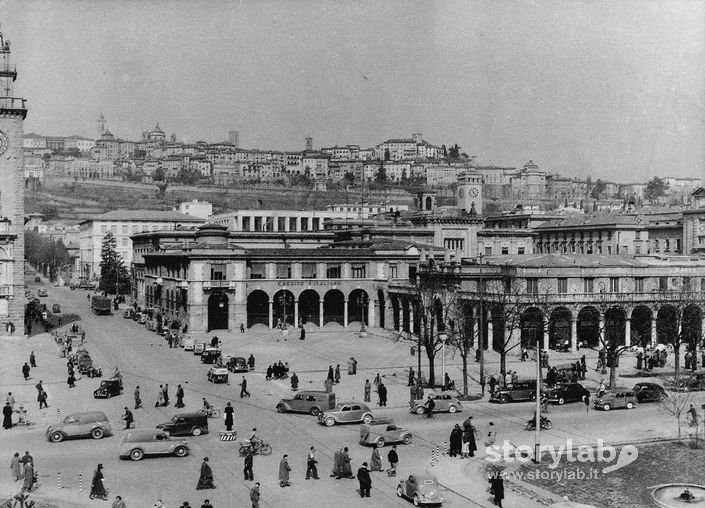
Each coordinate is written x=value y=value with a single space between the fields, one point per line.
x=142 y=319
x=445 y=402
x=218 y=375
x=56 y=308
x=210 y=355
x=198 y=348
x=618 y=399
x=128 y=314
x=649 y=392
x=108 y=388
x=309 y=401
x=515 y=392
x=237 y=364
x=345 y=412
x=42 y=292
x=186 y=424
x=567 y=392
x=382 y=432
x=88 y=424
x=84 y=364
x=421 y=489
x=140 y=443
x=188 y=343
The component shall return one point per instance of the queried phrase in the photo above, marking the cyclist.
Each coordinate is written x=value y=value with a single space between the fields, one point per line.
x=255 y=442
x=207 y=406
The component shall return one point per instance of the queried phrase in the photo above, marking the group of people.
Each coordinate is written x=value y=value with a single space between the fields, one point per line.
x=277 y=370
x=23 y=469
x=462 y=442
x=648 y=359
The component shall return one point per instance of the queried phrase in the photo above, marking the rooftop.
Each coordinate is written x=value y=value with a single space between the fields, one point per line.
x=144 y=215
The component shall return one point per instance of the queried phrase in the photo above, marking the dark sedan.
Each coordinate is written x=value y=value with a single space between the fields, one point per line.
x=649 y=392
x=568 y=392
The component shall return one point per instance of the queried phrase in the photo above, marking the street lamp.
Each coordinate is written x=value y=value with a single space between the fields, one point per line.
x=362 y=301
x=283 y=302
x=443 y=337
x=481 y=341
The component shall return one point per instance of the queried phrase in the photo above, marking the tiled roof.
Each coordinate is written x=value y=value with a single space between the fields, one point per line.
x=564 y=260
x=595 y=220
x=144 y=215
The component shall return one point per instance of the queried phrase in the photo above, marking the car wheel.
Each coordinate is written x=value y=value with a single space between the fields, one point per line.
x=367 y=418
x=416 y=500
x=380 y=443
x=407 y=439
x=181 y=451
x=314 y=411
x=136 y=454
x=503 y=399
x=532 y=396
x=57 y=437
x=281 y=409
x=97 y=433
x=329 y=422
x=630 y=405
x=196 y=431
x=452 y=409
x=561 y=401
x=606 y=407
x=420 y=410
x=400 y=491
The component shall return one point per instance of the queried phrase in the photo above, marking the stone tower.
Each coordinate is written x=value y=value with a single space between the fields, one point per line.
x=12 y=113
x=469 y=192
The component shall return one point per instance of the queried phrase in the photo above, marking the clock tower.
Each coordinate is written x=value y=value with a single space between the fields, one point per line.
x=13 y=111
x=469 y=192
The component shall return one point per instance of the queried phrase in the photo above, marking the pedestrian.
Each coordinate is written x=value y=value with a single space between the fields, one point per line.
x=242 y=327
x=330 y=372
x=247 y=471
x=419 y=390
x=497 y=488
x=346 y=466
x=138 y=400
x=10 y=400
x=205 y=480
x=692 y=416
x=128 y=418
x=354 y=362
x=393 y=459
x=469 y=438
x=97 y=487
x=601 y=389
x=311 y=469
x=302 y=335
x=251 y=362
x=160 y=397
x=337 y=374
x=71 y=380
x=455 y=441
x=206 y=504
x=411 y=376
x=294 y=381
x=166 y=394
x=337 y=464
x=15 y=466
x=25 y=371
x=39 y=386
x=119 y=503
x=368 y=390
x=382 y=393
x=350 y=367
x=483 y=380
x=179 y=396
x=270 y=371
x=28 y=473
x=254 y=495
x=7 y=416
x=363 y=476
x=26 y=458
x=42 y=399
x=284 y=469
x=32 y=360
x=377 y=380
x=328 y=385
x=243 y=388
x=375 y=460
x=429 y=406
x=493 y=383
x=229 y=410
x=491 y=435
x=587 y=403
x=702 y=358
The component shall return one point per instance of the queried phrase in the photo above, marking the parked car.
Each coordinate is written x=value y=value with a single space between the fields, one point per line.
x=186 y=424
x=618 y=399
x=382 y=432
x=519 y=391
x=140 y=443
x=88 y=424
x=198 y=348
x=108 y=388
x=42 y=292
x=56 y=308
x=128 y=314
x=445 y=402
x=649 y=392
x=237 y=364
x=210 y=355
x=421 y=489
x=188 y=343
x=345 y=412
x=218 y=375
x=567 y=392
x=311 y=402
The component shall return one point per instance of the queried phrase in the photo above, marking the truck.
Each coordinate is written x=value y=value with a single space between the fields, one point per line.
x=101 y=305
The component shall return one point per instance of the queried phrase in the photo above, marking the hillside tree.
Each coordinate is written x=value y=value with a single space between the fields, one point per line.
x=114 y=276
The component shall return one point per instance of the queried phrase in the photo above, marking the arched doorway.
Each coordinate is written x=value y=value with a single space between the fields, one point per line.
x=589 y=327
x=257 y=308
x=559 y=327
x=405 y=315
x=615 y=321
x=531 y=326
x=691 y=327
x=309 y=307
x=218 y=311
x=333 y=307
x=283 y=307
x=396 y=313
x=358 y=302
x=666 y=324
x=641 y=326
x=382 y=308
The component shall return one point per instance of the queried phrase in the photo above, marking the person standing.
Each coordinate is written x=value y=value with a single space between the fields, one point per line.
x=32 y=360
x=411 y=377
x=180 y=396
x=71 y=380
x=587 y=403
x=363 y=476
x=160 y=397
x=368 y=390
x=469 y=436
x=491 y=435
x=330 y=372
x=284 y=469
x=251 y=362
x=382 y=392
x=166 y=394
x=350 y=366
x=328 y=385
x=243 y=388
x=375 y=460
x=497 y=488
x=337 y=464
x=393 y=459
x=254 y=495
x=247 y=471
x=302 y=335
x=347 y=468
x=311 y=470
x=493 y=383
x=25 y=371
x=229 y=410
x=430 y=406
x=28 y=476
x=205 y=480
x=42 y=399
x=354 y=362
x=119 y=503
x=128 y=418
x=10 y=400
x=97 y=487
x=455 y=441
x=138 y=400
x=15 y=466
x=337 y=374
x=294 y=382
x=7 y=416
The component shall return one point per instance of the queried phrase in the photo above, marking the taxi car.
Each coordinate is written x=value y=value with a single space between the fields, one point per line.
x=140 y=443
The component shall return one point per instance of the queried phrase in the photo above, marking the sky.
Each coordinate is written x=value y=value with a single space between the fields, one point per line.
x=612 y=89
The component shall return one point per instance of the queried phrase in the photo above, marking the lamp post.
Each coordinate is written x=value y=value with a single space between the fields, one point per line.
x=443 y=337
x=362 y=302
x=283 y=301
x=481 y=339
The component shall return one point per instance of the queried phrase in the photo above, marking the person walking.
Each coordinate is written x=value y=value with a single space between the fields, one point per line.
x=247 y=471
x=71 y=380
x=32 y=360
x=138 y=400
x=128 y=418
x=363 y=476
x=180 y=397
x=337 y=374
x=330 y=372
x=375 y=460
x=251 y=362
x=10 y=399
x=311 y=470
x=119 y=503
x=160 y=397
x=254 y=495
x=15 y=466
x=345 y=463
x=229 y=410
x=368 y=390
x=284 y=470
x=382 y=393
x=393 y=459
x=469 y=437
x=7 y=416
x=205 y=480
x=354 y=362
x=97 y=487
x=497 y=488
x=429 y=406
x=166 y=394
x=42 y=399
x=455 y=441
x=28 y=472
x=243 y=388
x=25 y=371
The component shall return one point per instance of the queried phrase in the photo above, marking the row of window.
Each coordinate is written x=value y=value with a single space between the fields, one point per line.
x=503 y=250
x=129 y=230
x=268 y=223
x=532 y=285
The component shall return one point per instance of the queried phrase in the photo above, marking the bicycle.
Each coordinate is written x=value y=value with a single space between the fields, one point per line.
x=211 y=412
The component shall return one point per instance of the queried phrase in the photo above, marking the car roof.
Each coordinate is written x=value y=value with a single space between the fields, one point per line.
x=139 y=434
x=350 y=403
x=196 y=414
x=424 y=476
x=313 y=392
x=96 y=414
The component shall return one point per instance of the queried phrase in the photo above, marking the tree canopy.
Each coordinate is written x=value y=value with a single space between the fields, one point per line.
x=113 y=273
x=655 y=189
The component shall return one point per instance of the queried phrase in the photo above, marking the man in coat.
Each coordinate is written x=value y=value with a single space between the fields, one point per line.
x=254 y=495
x=347 y=468
x=382 y=393
x=456 y=441
x=128 y=418
x=138 y=400
x=337 y=464
x=363 y=476
x=179 y=396
x=249 y=475
x=205 y=480
x=25 y=371
x=7 y=416
x=284 y=469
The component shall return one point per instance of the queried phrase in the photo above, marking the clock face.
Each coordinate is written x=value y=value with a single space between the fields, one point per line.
x=473 y=192
x=3 y=142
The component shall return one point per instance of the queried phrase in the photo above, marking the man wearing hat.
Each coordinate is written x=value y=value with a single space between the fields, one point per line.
x=363 y=476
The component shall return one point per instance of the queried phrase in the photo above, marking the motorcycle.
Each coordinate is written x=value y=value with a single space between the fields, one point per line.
x=261 y=448
x=545 y=424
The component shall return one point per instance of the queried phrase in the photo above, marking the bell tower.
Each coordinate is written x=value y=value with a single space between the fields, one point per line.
x=13 y=111
x=469 y=192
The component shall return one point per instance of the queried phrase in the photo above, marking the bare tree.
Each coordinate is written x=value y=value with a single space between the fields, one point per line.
x=461 y=334
x=607 y=331
x=676 y=404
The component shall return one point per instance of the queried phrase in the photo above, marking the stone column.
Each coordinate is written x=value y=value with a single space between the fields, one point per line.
x=490 y=331
x=601 y=329
x=411 y=319
x=573 y=334
x=543 y=336
x=296 y=313
x=320 y=312
x=399 y=324
x=271 y=314
x=345 y=313
x=653 y=329
x=628 y=332
x=371 y=312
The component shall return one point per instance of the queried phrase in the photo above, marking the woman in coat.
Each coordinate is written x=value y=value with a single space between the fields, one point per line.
x=284 y=469
x=15 y=467
x=229 y=416
x=375 y=460
x=456 y=441
x=97 y=488
x=28 y=476
x=205 y=481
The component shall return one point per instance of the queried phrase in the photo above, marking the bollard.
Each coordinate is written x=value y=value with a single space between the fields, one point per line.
x=445 y=448
x=80 y=483
x=44 y=418
x=58 y=480
x=58 y=415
